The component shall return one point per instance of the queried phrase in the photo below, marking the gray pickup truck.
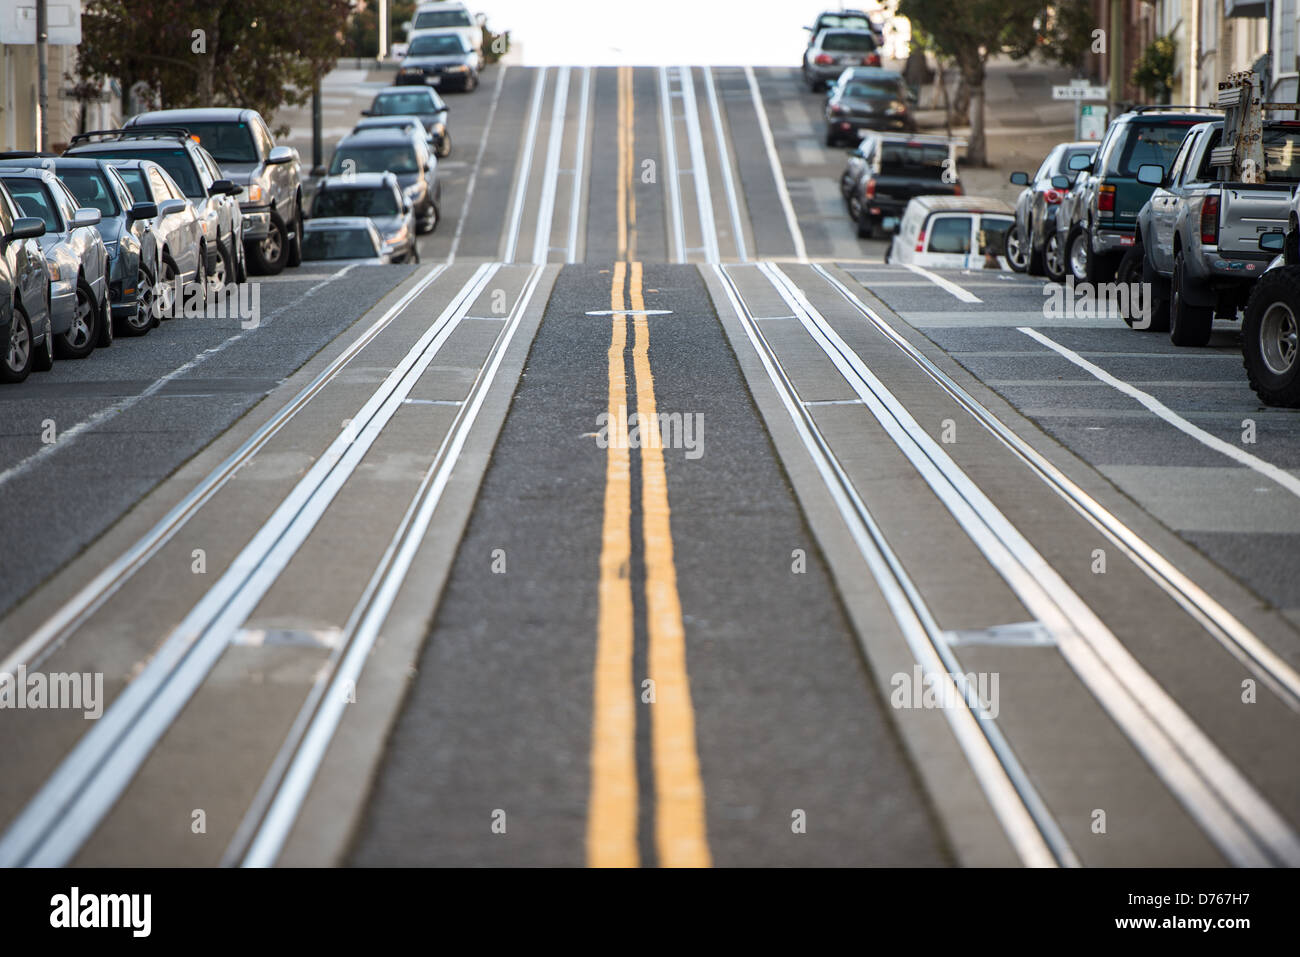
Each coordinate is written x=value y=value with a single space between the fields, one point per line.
x=1198 y=235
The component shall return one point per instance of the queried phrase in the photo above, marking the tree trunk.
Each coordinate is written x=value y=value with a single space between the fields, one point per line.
x=976 y=149
x=959 y=111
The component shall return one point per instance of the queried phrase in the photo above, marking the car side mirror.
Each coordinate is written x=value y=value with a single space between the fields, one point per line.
x=279 y=154
x=170 y=206
x=1151 y=174
x=1020 y=179
x=1060 y=182
x=367 y=112
x=1272 y=242
x=1080 y=161
x=142 y=211
x=227 y=187
x=85 y=216
x=26 y=227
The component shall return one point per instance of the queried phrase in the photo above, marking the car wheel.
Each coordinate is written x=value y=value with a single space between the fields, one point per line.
x=104 y=324
x=1013 y=246
x=295 y=241
x=224 y=272
x=866 y=228
x=1270 y=338
x=17 y=364
x=142 y=320
x=1188 y=325
x=1053 y=258
x=414 y=255
x=270 y=254
x=1130 y=274
x=79 y=341
x=165 y=303
x=431 y=219
x=1101 y=266
x=43 y=355
x=444 y=146
x=1076 y=254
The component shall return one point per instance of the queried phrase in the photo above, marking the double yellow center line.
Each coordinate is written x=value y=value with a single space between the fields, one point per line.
x=679 y=829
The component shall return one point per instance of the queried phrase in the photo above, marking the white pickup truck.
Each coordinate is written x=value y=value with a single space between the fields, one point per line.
x=1200 y=235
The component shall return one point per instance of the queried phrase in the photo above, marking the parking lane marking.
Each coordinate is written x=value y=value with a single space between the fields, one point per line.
x=944 y=284
x=1283 y=478
x=778 y=174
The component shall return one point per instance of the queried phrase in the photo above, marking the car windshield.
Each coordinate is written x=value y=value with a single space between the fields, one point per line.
x=1148 y=143
x=134 y=179
x=34 y=200
x=356 y=202
x=91 y=188
x=873 y=89
x=337 y=244
x=848 y=22
x=227 y=142
x=848 y=42
x=444 y=45
x=433 y=19
x=914 y=159
x=176 y=162
x=993 y=233
x=401 y=104
x=373 y=159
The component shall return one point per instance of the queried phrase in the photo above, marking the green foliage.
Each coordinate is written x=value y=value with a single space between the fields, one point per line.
x=495 y=45
x=362 y=38
x=1153 y=73
x=249 y=52
x=970 y=30
x=1067 y=38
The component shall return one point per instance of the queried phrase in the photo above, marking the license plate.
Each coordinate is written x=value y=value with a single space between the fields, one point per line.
x=435 y=80
x=889 y=222
x=1126 y=240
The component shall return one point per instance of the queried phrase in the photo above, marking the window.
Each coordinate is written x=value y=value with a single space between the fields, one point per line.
x=438 y=19
x=375 y=159
x=135 y=182
x=34 y=200
x=404 y=104
x=950 y=234
x=227 y=142
x=873 y=89
x=381 y=201
x=848 y=42
x=176 y=162
x=263 y=137
x=1147 y=143
x=444 y=44
x=993 y=233
x=1181 y=159
x=160 y=189
x=91 y=188
x=913 y=159
x=338 y=244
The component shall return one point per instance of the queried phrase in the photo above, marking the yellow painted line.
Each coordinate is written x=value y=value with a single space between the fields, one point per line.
x=679 y=791
x=612 y=805
x=624 y=157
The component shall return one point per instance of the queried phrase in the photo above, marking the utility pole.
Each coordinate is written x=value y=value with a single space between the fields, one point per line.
x=317 y=158
x=42 y=76
x=383 y=30
x=1115 y=47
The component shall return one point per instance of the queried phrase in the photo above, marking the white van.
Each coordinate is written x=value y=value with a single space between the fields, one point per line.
x=446 y=15
x=952 y=232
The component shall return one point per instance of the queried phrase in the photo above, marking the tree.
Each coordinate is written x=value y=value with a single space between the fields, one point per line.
x=1068 y=37
x=1153 y=73
x=968 y=32
x=246 y=53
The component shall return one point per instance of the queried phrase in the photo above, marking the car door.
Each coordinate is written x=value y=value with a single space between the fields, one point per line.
x=948 y=239
x=85 y=242
x=1165 y=201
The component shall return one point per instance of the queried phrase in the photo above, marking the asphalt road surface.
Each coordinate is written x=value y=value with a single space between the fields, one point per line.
x=652 y=520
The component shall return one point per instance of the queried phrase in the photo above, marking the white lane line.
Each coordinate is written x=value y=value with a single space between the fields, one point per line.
x=369 y=616
x=55 y=629
x=699 y=165
x=69 y=435
x=943 y=284
x=1004 y=783
x=724 y=160
x=551 y=170
x=74 y=800
x=1236 y=817
x=677 y=231
x=580 y=159
x=1283 y=478
x=478 y=164
x=778 y=174
x=525 y=167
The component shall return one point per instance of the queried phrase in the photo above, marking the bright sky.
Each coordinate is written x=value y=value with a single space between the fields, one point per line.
x=652 y=32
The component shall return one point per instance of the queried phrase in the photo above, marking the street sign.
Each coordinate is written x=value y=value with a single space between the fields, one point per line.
x=1092 y=121
x=1079 y=92
x=62 y=22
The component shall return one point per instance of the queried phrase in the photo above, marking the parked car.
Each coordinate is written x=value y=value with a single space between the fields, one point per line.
x=1055 y=263
x=395 y=151
x=1106 y=217
x=888 y=169
x=379 y=198
x=213 y=197
x=447 y=15
x=1198 y=234
x=178 y=234
x=411 y=123
x=1038 y=204
x=343 y=239
x=124 y=227
x=1270 y=329
x=393 y=104
x=953 y=232
x=866 y=99
x=846 y=20
x=76 y=258
x=242 y=145
x=441 y=58
x=25 y=328
x=833 y=50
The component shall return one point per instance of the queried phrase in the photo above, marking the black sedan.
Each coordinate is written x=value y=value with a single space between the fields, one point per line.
x=442 y=59
x=865 y=99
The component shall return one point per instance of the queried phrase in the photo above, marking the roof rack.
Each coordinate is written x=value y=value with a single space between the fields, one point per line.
x=133 y=133
x=25 y=154
x=1176 y=107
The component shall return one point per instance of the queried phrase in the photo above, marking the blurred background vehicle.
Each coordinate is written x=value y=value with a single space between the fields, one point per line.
x=343 y=239
x=888 y=169
x=379 y=198
x=401 y=153
x=833 y=50
x=952 y=232
x=1038 y=205
x=392 y=104
x=866 y=99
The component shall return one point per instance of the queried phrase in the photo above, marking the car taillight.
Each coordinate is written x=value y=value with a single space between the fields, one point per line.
x=824 y=59
x=920 y=241
x=1106 y=200
x=1052 y=196
x=870 y=190
x=836 y=108
x=1210 y=220
x=871 y=59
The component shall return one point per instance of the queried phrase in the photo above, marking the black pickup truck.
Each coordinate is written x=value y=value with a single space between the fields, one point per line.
x=888 y=169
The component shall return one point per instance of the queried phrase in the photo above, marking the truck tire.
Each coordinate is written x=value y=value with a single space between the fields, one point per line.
x=1269 y=347
x=272 y=253
x=1158 y=290
x=1188 y=325
x=1129 y=274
